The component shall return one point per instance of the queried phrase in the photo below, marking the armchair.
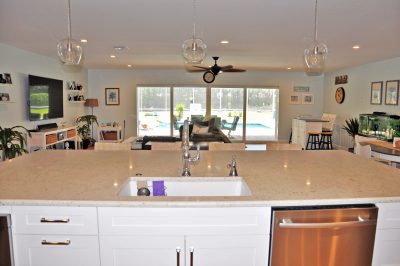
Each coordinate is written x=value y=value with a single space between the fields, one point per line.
x=230 y=126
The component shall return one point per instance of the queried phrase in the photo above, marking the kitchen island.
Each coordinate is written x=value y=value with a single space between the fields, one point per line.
x=73 y=195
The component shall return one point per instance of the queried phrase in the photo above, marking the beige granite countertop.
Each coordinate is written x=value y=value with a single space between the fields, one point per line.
x=276 y=178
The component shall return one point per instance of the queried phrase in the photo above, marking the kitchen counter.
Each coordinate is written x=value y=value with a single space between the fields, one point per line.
x=275 y=178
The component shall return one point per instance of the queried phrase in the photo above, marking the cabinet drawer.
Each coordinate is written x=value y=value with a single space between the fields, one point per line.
x=194 y=221
x=31 y=250
x=55 y=220
x=388 y=215
x=51 y=138
x=71 y=133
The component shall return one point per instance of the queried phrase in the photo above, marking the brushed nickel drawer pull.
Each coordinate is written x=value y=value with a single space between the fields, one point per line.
x=178 y=256
x=62 y=243
x=63 y=221
x=191 y=256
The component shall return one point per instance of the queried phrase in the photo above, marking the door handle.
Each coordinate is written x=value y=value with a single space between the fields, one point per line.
x=51 y=243
x=178 y=256
x=288 y=223
x=191 y=250
x=45 y=220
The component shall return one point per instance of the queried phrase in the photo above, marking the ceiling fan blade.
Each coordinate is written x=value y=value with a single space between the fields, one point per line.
x=196 y=68
x=234 y=70
x=226 y=67
x=202 y=67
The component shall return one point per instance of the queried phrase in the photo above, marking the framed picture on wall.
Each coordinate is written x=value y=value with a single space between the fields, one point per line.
x=112 y=96
x=376 y=92
x=392 y=92
x=295 y=98
x=307 y=98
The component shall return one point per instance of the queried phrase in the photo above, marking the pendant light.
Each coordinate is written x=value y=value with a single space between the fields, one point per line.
x=69 y=50
x=316 y=53
x=194 y=49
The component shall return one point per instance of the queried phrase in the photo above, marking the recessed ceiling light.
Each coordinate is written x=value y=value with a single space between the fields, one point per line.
x=83 y=40
x=224 y=41
x=112 y=56
x=356 y=47
x=129 y=65
x=119 y=48
x=289 y=68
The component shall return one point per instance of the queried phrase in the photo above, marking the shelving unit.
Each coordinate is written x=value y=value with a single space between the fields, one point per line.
x=109 y=134
x=46 y=138
x=75 y=93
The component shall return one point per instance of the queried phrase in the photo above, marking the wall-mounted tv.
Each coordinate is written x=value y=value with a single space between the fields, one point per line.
x=45 y=98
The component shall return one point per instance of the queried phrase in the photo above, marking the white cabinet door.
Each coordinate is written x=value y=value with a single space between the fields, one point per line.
x=31 y=250
x=227 y=250
x=387 y=238
x=387 y=246
x=142 y=251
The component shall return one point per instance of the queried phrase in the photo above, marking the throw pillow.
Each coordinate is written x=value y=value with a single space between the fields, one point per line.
x=198 y=129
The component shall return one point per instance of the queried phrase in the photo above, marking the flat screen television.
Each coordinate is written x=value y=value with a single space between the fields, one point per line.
x=45 y=98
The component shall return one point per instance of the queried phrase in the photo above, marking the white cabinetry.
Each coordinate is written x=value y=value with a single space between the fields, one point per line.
x=49 y=137
x=300 y=127
x=184 y=236
x=387 y=238
x=48 y=236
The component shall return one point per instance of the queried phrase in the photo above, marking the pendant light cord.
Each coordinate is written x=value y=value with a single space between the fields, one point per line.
x=194 y=19
x=69 y=20
x=315 y=20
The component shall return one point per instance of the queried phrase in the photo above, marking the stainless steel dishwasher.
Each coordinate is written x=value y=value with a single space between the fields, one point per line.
x=323 y=236
x=6 y=257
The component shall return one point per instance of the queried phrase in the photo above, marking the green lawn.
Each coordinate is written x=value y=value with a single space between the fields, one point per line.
x=40 y=111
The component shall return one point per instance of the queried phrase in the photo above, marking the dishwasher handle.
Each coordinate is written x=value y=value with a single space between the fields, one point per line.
x=288 y=223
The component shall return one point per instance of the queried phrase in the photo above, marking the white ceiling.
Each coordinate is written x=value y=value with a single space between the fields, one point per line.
x=263 y=34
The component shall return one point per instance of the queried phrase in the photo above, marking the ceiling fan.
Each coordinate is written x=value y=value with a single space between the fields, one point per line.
x=211 y=72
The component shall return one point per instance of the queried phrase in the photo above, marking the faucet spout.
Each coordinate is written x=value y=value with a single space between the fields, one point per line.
x=187 y=158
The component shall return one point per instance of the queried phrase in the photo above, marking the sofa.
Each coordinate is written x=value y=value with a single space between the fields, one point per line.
x=212 y=134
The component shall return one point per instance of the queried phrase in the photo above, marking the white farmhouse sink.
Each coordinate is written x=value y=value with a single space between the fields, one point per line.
x=190 y=186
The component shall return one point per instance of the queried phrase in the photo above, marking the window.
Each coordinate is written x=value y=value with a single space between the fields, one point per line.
x=249 y=114
x=188 y=102
x=153 y=111
x=226 y=104
x=261 y=114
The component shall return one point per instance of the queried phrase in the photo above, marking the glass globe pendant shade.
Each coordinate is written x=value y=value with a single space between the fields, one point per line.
x=69 y=51
x=194 y=50
x=315 y=56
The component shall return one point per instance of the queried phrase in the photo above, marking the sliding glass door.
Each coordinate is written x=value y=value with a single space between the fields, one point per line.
x=189 y=103
x=249 y=114
x=227 y=107
x=261 y=114
x=153 y=111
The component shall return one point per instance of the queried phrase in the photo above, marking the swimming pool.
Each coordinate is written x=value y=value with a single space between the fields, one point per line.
x=239 y=125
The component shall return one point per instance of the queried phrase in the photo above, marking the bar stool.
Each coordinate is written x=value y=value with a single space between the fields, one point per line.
x=313 y=141
x=325 y=142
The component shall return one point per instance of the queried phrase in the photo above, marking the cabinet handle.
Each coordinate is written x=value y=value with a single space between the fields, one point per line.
x=62 y=243
x=178 y=256
x=45 y=220
x=191 y=255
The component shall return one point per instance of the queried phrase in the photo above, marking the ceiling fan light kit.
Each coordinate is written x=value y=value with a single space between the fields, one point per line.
x=316 y=53
x=69 y=50
x=194 y=49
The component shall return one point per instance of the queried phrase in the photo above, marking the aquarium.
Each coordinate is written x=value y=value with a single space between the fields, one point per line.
x=382 y=126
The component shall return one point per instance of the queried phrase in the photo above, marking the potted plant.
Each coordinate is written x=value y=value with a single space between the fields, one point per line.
x=351 y=127
x=180 y=107
x=84 y=125
x=12 y=141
